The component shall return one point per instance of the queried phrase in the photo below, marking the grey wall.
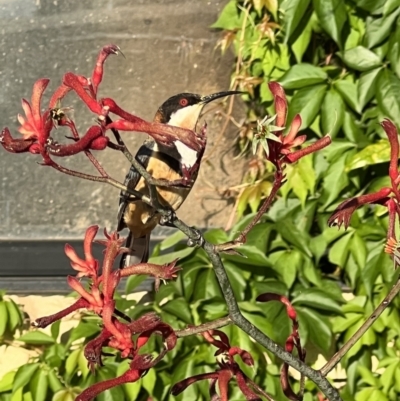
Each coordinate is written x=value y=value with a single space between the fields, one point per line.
x=169 y=49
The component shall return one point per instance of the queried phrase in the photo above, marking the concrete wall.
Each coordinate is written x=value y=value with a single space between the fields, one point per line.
x=169 y=48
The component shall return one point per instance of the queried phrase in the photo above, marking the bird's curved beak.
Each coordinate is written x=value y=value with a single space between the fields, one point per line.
x=209 y=98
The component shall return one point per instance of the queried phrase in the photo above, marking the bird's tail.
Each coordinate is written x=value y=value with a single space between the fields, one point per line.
x=138 y=251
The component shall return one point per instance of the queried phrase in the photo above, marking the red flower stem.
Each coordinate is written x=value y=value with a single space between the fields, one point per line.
x=43 y=322
x=80 y=145
x=392 y=135
x=215 y=324
x=318 y=145
x=72 y=81
x=151 y=269
x=392 y=209
x=360 y=332
x=107 y=180
x=90 y=393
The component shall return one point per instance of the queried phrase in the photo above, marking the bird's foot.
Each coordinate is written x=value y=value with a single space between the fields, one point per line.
x=167 y=219
x=197 y=239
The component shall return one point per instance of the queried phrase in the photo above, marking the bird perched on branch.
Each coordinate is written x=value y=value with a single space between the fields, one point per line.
x=174 y=163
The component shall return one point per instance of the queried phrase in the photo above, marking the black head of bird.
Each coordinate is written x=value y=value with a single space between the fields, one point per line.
x=183 y=110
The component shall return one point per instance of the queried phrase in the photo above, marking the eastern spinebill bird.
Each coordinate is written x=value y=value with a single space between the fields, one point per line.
x=169 y=163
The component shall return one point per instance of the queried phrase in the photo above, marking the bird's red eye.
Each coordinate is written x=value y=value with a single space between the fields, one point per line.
x=183 y=102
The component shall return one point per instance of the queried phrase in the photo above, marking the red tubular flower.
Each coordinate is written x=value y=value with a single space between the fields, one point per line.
x=391 y=132
x=35 y=126
x=159 y=272
x=344 y=211
x=269 y=296
x=15 y=145
x=90 y=265
x=229 y=369
x=279 y=147
x=138 y=367
x=164 y=133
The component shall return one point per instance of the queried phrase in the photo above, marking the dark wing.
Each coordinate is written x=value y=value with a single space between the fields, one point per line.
x=132 y=179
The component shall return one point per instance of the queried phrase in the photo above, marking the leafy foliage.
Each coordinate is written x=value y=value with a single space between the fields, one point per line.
x=339 y=63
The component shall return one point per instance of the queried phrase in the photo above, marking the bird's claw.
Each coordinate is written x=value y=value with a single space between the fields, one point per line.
x=197 y=239
x=167 y=219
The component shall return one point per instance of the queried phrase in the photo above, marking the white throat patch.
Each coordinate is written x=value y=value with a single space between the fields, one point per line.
x=186 y=118
x=188 y=156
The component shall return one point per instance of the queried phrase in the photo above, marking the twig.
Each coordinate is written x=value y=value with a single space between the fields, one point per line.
x=360 y=332
x=215 y=324
x=241 y=238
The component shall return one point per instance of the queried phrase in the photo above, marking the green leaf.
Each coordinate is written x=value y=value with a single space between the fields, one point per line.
x=134 y=281
x=39 y=385
x=394 y=50
x=358 y=250
x=372 y=270
x=352 y=129
x=317 y=326
x=290 y=233
x=317 y=299
x=54 y=381
x=149 y=381
x=24 y=375
x=332 y=15
x=372 y=6
x=172 y=240
x=367 y=86
x=307 y=102
x=388 y=95
x=169 y=257
x=180 y=308
x=341 y=324
x=36 y=338
x=71 y=364
x=216 y=236
x=302 y=42
x=340 y=249
x=229 y=18
x=361 y=59
x=287 y=265
x=83 y=330
x=375 y=153
x=332 y=113
x=6 y=382
x=335 y=180
x=390 y=5
x=367 y=376
x=207 y=286
x=387 y=378
x=55 y=329
x=301 y=75
x=3 y=317
x=378 y=29
x=294 y=11
x=301 y=178
x=348 y=90
x=131 y=390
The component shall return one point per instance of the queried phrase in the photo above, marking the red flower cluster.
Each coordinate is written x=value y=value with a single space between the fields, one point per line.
x=280 y=147
x=37 y=126
x=228 y=369
x=126 y=337
x=386 y=196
